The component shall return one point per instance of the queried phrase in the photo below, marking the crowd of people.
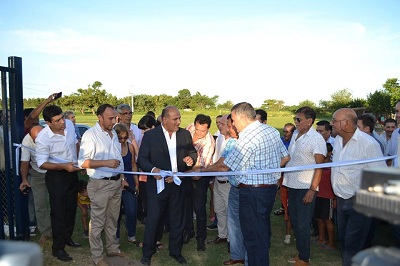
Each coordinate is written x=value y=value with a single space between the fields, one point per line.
x=115 y=150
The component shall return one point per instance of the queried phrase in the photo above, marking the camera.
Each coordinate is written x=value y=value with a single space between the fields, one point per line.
x=58 y=95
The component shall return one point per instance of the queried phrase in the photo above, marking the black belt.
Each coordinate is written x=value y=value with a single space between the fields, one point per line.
x=115 y=178
x=258 y=185
x=222 y=182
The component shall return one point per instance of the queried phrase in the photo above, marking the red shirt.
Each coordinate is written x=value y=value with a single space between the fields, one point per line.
x=325 y=186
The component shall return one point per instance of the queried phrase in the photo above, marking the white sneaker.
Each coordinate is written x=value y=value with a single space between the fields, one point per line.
x=32 y=230
x=287 y=239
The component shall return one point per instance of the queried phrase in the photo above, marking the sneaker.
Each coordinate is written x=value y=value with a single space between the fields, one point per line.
x=32 y=230
x=279 y=211
x=287 y=239
x=86 y=234
x=212 y=227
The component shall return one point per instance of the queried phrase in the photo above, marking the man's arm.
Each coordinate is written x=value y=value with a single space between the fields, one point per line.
x=24 y=170
x=34 y=115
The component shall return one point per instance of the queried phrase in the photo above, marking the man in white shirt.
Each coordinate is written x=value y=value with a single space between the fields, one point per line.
x=100 y=154
x=351 y=144
x=56 y=152
x=34 y=177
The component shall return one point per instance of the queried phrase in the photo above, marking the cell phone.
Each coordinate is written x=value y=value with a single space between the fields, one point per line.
x=58 y=95
x=131 y=190
x=26 y=190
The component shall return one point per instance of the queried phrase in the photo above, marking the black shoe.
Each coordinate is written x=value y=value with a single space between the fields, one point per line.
x=201 y=246
x=212 y=226
x=179 y=258
x=61 y=255
x=73 y=244
x=145 y=260
x=187 y=236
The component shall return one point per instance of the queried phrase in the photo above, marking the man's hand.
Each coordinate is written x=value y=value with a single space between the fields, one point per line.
x=113 y=163
x=23 y=185
x=188 y=160
x=156 y=170
x=308 y=198
x=71 y=167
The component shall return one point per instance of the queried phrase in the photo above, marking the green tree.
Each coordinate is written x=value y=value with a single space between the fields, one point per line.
x=340 y=99
x=379 y=103
x=392 y=86
x=272 y=105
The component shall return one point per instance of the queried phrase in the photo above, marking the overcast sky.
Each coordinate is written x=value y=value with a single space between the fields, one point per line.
x=239 y=50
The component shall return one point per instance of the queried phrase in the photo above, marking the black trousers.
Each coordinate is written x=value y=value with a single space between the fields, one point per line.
x=168 y=203
x=63 y=190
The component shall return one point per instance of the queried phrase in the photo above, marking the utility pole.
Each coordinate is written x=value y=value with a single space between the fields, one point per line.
x=131 y=93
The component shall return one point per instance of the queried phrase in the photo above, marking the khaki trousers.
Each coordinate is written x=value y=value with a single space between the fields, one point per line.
x=105 y=197
x=221 y=194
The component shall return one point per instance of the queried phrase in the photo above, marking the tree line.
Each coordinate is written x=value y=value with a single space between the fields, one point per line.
x=380 y=102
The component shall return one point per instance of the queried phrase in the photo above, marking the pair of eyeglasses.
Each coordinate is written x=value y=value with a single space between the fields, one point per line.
x=127 y=113
x=297 y=119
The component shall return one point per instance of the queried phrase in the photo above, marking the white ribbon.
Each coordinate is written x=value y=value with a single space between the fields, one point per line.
x=176 y=175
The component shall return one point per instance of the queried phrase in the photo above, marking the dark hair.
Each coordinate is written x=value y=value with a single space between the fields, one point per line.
x=82 y=185
x=147 y=122
x=290 y=125
x=51 y=111
x=389 y=120
x=326 y=123
x=263 y=115
x=28 y=111
x=367 y=120
x=203 y=119
x=103 y=107
x=151 y=113
x=308 y=112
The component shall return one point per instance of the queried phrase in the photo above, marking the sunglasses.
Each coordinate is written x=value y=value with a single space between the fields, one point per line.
x=296 y=119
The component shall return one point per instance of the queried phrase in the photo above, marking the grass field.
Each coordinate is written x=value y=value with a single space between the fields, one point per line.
x=215 y=254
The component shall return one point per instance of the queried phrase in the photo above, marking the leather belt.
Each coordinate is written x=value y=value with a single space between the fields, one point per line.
x=115 y=178
x=222 y=182
x=258 y=185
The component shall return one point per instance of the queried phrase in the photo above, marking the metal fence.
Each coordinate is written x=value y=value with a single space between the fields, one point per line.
x=14 y=205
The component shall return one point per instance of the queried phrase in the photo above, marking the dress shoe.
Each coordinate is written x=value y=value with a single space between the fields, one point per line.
x=200 y=245
x=62 y=255
x=232 y=262
x=179 y=258
x=218 y=240
x=145 y=260
x=73 y=244
x=117 y=253
x=187 y=236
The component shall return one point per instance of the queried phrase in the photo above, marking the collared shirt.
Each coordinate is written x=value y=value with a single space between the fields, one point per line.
x=392 y=146
x=230 y=145
x=346 y=180
x=137 y=132
x=205 y=147
x=220 y=145
x=259 y=147
x=28 y=153
x=97 y=144
x=171 y=143
x=56 y=148
x=302 y=152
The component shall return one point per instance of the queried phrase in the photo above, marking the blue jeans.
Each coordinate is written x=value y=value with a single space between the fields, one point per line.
x=353 y=229
x=236 y=242
x=130 y=206
x=255 y=207
x=300 y=215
